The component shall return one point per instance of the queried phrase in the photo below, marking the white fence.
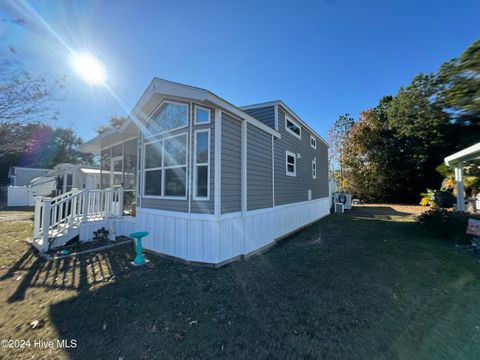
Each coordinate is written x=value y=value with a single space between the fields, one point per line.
x=18 y=196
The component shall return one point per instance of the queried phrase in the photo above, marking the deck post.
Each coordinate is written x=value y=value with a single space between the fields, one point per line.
x=47 y=206
x=36 y=217
x=460 y=188
x=120 y=201
x=85 y=203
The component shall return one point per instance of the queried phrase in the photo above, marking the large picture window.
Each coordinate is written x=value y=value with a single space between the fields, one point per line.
x=202 y=163
x=170 y=116
x=165 y=167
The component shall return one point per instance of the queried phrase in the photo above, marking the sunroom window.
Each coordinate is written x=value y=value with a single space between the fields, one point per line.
x=166 y=167
x=170 y=116
x=202 y=156
x=291 y=163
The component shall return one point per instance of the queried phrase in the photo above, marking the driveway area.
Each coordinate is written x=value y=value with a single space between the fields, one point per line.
x=361 y=285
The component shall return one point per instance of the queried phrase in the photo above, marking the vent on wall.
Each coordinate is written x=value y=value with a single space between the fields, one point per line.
x=309 y=194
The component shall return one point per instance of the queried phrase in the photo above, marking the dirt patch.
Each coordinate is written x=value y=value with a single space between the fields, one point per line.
x=387 y=210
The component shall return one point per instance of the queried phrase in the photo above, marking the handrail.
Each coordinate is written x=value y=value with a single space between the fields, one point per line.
x=56 y=216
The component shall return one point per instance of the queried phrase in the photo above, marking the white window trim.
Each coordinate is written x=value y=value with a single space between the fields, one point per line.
x=287 y=153
x=314 y=169
x=163 y=168
x=315 y=140
x=195 y=107
x=147 y=134
x=195 y=164
x=288 y=118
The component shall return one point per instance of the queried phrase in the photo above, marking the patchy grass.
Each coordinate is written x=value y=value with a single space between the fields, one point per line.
x=360 y=285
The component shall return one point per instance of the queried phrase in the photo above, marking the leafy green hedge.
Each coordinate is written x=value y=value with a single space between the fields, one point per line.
x=445 y=224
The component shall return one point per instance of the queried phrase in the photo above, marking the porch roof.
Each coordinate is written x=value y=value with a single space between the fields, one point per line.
x=110 y=138
x=468 y=154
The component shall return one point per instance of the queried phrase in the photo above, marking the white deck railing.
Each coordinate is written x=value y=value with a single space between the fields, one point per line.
x=56 y=216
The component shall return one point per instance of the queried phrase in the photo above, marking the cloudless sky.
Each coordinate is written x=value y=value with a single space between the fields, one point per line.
x=323 y=58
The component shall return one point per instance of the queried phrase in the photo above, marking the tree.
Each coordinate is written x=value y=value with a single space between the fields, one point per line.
x=114 y=122
x=42 y=146
x=336 y=141
x=364 y=158
x=24 y=99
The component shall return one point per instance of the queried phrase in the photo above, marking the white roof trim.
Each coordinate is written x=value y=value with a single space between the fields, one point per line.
x=167 y=87
x=470 y=153
x=292 y=113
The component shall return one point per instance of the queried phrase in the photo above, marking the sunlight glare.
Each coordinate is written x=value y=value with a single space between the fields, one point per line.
x=88 y=68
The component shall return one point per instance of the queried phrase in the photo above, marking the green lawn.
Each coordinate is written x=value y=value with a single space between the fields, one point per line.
x=371 y=286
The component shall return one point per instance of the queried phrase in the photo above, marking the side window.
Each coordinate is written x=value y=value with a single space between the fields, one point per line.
x=314 y=168
x=202 y=115
x=290 y=163
x=313 y=142
x=292 y=127
x=202 y=165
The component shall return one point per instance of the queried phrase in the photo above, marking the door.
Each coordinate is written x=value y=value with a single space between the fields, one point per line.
x=116 y=179
x=116 y=172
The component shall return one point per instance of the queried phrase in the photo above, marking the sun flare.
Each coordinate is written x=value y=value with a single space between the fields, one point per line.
x=89 y=68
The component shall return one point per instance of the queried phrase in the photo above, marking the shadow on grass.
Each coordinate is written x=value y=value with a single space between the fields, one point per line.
x=78 y=273
x=369 y=289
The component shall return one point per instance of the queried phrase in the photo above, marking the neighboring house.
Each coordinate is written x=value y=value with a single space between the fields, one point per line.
x=213 y=181
x=77 y=176
x=21 y=176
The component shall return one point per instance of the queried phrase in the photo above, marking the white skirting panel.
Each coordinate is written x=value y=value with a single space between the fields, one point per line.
x=123 y=226
x=203 y=238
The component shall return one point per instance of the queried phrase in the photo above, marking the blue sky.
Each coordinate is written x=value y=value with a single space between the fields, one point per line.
x=323 y=58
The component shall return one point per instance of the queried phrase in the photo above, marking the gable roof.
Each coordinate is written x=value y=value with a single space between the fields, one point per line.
x=289 y=110
x=167 y=87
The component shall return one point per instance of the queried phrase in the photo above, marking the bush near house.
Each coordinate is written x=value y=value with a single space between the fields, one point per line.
x=445 y=224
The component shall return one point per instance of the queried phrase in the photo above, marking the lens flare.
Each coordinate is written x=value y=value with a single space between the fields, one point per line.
x=89 y=68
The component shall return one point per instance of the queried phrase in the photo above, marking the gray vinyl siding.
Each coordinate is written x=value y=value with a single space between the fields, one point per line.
x=291 y=189
x=259 y=169
x=231 y=165
x=181 y=205
x=265 y=114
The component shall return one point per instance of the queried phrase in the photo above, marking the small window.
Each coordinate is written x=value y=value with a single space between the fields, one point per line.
x=291 y=163
x=313 y=142
x=314 y=168
x=202 y=115
x=292 y=127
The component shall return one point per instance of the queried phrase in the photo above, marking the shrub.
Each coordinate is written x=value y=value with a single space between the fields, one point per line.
x=437 y=198
x=445 y=224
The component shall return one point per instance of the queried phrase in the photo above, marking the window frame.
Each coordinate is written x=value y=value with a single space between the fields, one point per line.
x=196 y=165
x=315 y=140
x=287 y=154
x=314 y=168
x=287 y=119
x=195 y=121
x=150 y=118
x=163 y=168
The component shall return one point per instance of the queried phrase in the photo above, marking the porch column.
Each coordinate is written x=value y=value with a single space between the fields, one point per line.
x=459 y=183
